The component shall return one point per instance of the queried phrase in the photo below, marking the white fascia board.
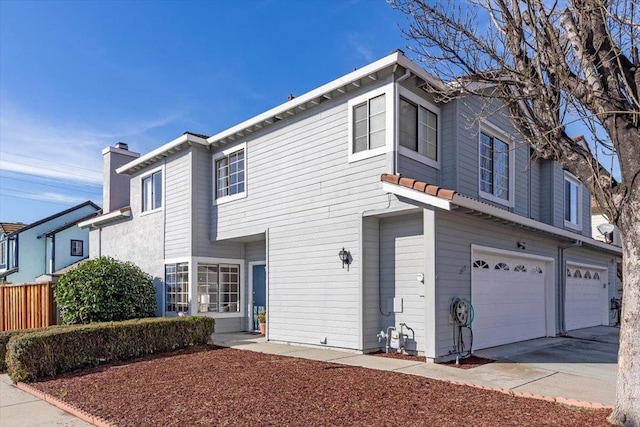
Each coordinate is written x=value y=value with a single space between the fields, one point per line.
x=420 y=72
x=418 y=196
x=161 y=150
x=120 y=213
x=309 y=96
x=466 y=202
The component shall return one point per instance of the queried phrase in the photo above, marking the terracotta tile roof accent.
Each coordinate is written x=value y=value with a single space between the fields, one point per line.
x=10 y=227
x=423 y=187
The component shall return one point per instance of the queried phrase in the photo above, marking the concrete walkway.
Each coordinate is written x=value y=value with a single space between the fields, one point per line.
x=583 y=368
x=575 y=370
x=20 y=409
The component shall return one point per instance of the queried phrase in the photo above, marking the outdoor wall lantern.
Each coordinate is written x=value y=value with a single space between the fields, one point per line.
x=345 y=257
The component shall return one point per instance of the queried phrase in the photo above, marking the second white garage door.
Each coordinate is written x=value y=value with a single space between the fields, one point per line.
x=586 y=297
x=508 y=294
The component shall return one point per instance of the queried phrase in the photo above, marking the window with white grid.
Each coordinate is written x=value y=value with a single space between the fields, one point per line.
x=177 y=287
x=495 y=168
x=230 y=174
x=219 y=288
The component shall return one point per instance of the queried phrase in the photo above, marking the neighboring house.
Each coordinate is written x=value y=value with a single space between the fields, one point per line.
x=257 y=215
x=45 y=246
x=7 y=246
x=597 y=219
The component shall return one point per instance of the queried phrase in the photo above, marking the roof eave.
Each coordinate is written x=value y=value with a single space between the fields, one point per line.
x=315 y=96
x=160 y=153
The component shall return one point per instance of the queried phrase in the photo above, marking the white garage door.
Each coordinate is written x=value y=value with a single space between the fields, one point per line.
x=508 y=295
x=586 y=298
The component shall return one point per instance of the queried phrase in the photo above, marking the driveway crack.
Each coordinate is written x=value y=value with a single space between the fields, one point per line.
x=533 y=381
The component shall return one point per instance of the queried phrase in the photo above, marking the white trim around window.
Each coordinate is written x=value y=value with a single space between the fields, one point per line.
x=143 y=177
x=421 y=102
x=220 y=155
x=575 y=199
x=242 y=297
x=493 y=131
x=389 y=93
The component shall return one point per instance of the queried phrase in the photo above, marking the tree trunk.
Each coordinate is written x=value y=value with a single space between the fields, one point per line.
x=627 y=408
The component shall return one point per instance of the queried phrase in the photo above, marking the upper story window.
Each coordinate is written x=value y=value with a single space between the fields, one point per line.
x=230 y=174
x=3 y=253
x=572 y=201
x=418 y=128
x=370 y=123
x=495 y=168
x=77 y=248
x=152 y=191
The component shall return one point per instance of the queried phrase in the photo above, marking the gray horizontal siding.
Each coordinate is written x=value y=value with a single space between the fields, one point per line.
x=302 y=189
x=371 y=283
x=414 y=169
x=178 y=205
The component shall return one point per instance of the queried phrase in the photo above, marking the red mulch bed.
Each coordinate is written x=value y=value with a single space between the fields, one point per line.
x=469 y=363
x=229 y=387
x=399 y=356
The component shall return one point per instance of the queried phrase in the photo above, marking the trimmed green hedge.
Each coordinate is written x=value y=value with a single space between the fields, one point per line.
x=5 y=336
x=54 y=351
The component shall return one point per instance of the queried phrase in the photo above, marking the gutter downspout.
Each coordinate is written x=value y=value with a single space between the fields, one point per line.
x=562 y=286
x=396 y=113
x=53 y=254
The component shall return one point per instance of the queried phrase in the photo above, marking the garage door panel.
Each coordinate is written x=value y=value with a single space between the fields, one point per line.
x=585 y=297
x=509 y=301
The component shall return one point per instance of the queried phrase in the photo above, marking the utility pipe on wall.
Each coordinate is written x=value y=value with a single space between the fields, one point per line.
x=562 y=285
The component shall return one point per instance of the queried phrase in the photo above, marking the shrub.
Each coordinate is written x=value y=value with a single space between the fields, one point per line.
x=54 y=351
x=5 y=336
x=104 y=290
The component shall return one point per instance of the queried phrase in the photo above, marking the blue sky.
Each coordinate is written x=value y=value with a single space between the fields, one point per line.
x=76 y=77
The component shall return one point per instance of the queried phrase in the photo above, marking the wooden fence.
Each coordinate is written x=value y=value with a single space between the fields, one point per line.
x=26 y=306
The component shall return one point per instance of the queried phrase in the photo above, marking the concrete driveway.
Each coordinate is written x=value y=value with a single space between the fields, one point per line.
x=581 y=366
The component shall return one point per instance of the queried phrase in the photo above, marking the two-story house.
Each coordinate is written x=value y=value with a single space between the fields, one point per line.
x=46 y=246
x=360 y=205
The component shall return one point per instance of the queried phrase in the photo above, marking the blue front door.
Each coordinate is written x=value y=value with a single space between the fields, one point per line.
x=259 y=292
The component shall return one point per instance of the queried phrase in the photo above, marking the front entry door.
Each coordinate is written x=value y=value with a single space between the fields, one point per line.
x=259 y=274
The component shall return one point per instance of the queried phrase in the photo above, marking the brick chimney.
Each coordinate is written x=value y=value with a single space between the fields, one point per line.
x=115 y=187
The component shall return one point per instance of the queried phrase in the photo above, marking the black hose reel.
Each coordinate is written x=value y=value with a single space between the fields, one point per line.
x=462 y=313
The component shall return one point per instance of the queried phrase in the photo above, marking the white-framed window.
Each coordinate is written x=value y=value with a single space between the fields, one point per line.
x=77 y=248
x=418 y=128
x=370 y=123
x=230 y=171
x=3 y=253
x=496 y=165
x=152 y=191
x=572 y=201
x=218 y=288
x=176 y=279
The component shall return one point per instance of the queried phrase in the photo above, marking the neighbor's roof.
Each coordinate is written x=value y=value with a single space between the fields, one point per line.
x=71 y=224
x=10 y=227
x=54 y=216
x=352 y=81
x=442 y=198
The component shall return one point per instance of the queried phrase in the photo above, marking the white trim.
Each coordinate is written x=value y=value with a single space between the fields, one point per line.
x=251 y=264
x=583 y=265
x=120 y=151
x=568 y=176
x=161 y=151
x=219 y=155
x=113 y=215
x=410 y=96
x=416 y=195
x=388 y=91
x=549 y=280
x=141 y=178
x=485 y=126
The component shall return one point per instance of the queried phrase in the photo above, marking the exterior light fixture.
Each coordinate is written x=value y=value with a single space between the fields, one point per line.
x=344 y=257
